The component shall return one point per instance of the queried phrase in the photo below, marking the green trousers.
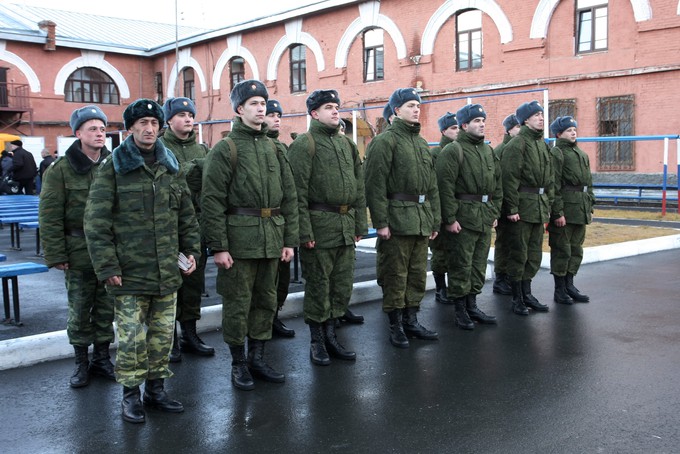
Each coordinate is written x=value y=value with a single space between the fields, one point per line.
x=402 y=270
x=90 y=309
x=525 y=242
x=467 y=254
x=189 y=294
x=501 y=250
x=566 y=248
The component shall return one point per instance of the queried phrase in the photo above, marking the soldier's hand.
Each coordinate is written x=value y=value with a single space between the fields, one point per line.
x=192 y=265
x=114 y=281
x=61 y=266
x=513 y=217
x=454 y=228
x=309 y=244
x=560 y=222
x=434 y=235
x=357 y=238
x=287 y=254
x=384 y=233
x=223 y=260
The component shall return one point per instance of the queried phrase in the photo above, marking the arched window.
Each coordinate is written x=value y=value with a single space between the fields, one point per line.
x=469 y=40
x=374 y=55
x=237 y=70
x=91 y=85
x=298 y=68
x=189 y=84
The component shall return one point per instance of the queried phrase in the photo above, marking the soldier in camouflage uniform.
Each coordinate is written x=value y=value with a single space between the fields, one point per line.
x=448 y=126
x=501 y=284
x=571 y=211
x=138 y=217
x=180 y=138
x=65 y=188
x=401 y=192
x=250 y=221
x=469 y=181
x=527 y=198
x=332 y=206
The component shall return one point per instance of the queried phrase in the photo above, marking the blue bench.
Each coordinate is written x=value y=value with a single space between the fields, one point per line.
x=14 y=222
x=30 y=225
x=3 y=257
x=11 y=273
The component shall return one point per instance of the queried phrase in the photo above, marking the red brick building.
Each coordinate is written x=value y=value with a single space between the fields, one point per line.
x=614 y=65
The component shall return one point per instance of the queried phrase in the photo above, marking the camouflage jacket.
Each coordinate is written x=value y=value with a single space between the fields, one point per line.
x=436 y=151
x=527 y=177
x=399 y=162
x=498 y=151
x=572 y=168
x=479 y=173
x=191 y=156
x=329 y=172
x=138 y=218
x=262 y=179
x=65 y=187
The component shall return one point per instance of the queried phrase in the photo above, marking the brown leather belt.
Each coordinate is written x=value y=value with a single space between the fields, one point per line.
x=259 y=212
x=571 y=188
x=341 y=209
x=77 y=233
x=484 y=198
x=407 y=197
x=531 y=190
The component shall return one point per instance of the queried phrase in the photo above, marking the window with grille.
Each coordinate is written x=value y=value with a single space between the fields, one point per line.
x=298 y=69
x=615 y=118
x=469 y=40
x=374 y=55
x=591 y=25
x=237 y=70
x=189 y=85
x=561 y=108
x=91 y=85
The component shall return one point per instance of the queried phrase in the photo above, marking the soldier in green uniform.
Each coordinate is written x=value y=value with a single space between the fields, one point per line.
x=332 y=205
x=250 y=221
x=65 y=188
x=138 y=218
x=180 y=138
x=527 y=198
x=273 y=122
x=571 y=211
x=448 y=126
x=501 y=284
x=470 y=191
x=401 y=192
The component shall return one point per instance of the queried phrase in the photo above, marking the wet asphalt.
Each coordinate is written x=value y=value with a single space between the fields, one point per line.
x=600 y=377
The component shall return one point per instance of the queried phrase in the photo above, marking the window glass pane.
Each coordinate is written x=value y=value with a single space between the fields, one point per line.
x=585 y=31
x=379 y=63
x=370 y=64
x=601 y=28
x=476 y=46
x=373 y=37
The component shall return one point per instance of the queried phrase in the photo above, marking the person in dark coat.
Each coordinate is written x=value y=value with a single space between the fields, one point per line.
x=25 y=169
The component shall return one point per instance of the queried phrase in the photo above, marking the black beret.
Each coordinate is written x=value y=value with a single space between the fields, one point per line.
x=320 y=97
x=526 y=110
x=80 y=116
x=142 y=108
x=510 y=122
x=274 y=106
x=561 y=124
x=403 y=95
x=173 y=106
x=245 y=90
x=469 y=112
x=446 y=121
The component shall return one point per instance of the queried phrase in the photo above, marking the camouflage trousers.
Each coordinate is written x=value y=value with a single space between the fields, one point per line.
x=145 y=326
x=189 y=294
x=402 y=270
x=566 y=248
x=501 y=249
x=282 y=283
x=90 y=309
x=329 y=278
x=248 y=292
x=467 y=253
x=525 y=244
x=438 y=257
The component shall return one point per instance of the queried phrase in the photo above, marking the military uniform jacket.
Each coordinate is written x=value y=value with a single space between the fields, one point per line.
x=498 y=151
x=262 y=179
x=137 y=219
x=479 y=173
x=399 y=162
x=527 y=167
x=331 y=174
x=191 y=156
x=572 y=169
x=436 y=151
x=65 y=188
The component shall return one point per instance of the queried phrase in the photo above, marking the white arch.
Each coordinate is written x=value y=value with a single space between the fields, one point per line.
x=369 y=17
x=21 y=65
x=294 y=34
x=234 y=49
x=92 y=59
x=490 y=7
x=642 y=11
x=184 y=60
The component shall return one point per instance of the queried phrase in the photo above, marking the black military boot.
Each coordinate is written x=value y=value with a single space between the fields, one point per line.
x=440 y=295
x=156 y=397
x=476 y=313
x=397 y=336
x=317 y=349
x=175 y=353
x=333 y=347
x=101 y=361
x=279 y=329
x=240 y=375
x=413 y=328
x=501 y=284
x=463 y=320
x=81 y=374
x=351 y=317
x=191 y=343
x=530 y=300
x=518 y=306
x=561 y=296
x=258 y=367
x=133 y=410
x=573 y=291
